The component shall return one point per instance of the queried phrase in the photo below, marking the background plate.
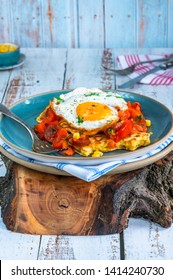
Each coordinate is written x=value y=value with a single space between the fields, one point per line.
x=28 y=109
x=20 y=62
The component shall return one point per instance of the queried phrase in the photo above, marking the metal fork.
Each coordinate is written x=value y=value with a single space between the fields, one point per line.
x=38 y=145
x=130 y=69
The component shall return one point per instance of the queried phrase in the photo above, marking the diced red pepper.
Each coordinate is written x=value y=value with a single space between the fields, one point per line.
x=124 y=131
x=111 y=144
x=40 y=129
x=124 y=115
x=63 y=144
x=61 y=134
x=134 y=109
x=50 y=116
x=57 y=145
x=69 y=151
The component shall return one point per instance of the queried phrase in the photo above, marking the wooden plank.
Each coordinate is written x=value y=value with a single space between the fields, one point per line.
x=72 y=23
x=84 y=68
x=170 y=23
x=91 y=24
x=60 y=23
x=5 y=30
x=80 y=248
x=148 y=240
x=26 y=22
x=29 y=79
x=152 y=23
x=4 y=81
x=120 y=24
x=17 y=246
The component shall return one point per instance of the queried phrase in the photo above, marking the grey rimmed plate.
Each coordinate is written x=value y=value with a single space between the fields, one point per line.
x=29 y=108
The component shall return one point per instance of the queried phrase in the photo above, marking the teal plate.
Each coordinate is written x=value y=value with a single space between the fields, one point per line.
x=28 y=110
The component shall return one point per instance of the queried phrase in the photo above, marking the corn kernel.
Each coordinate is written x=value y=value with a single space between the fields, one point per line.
x=76 y=135
x=4 y=48
x=97 y=154
x=148 y=123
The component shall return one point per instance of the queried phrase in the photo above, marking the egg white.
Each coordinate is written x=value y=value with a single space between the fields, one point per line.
x=65 y=106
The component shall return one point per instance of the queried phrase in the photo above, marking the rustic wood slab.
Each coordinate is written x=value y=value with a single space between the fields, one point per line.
x=38 y=203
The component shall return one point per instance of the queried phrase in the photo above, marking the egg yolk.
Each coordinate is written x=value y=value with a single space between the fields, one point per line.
x=93 y=111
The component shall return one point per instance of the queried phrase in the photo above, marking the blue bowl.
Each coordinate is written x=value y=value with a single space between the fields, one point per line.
x=9 y=57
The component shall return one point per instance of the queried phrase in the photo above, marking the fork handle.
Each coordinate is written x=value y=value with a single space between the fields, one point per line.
x=165 y=59
x=4 y=110
x=155 y=60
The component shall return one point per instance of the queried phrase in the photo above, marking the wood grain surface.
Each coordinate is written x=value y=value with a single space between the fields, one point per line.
x=35 y=202
x=53 y=69
x=87 y=23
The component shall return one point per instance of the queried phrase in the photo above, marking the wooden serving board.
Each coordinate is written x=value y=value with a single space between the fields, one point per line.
x=39 y=203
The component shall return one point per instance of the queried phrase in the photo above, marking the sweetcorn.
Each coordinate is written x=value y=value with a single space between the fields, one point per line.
x=5 y=48
x=76 y=135
x=148 y=123
x=97 y=153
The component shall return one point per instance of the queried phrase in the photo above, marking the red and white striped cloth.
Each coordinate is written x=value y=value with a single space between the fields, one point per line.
x=161 y=77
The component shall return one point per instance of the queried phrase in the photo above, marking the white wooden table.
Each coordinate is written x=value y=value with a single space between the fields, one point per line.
x=53 y=69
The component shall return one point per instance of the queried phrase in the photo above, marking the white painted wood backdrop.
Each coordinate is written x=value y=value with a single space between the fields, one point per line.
x=87 y=23
x=53 y=69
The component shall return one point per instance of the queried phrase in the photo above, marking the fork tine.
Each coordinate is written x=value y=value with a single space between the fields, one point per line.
x=124 y=72
x=52 y=151
x=45 y=148
x=38 y=145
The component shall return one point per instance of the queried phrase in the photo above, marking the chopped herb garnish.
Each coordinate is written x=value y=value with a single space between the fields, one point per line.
x=80 y=120
x=140 y=117
x=59 y=99
x=114 y=95
x=110 y=130
x=119 y=96
x=92 y=93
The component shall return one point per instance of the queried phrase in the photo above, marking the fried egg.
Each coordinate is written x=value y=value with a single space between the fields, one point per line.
x=89 y=109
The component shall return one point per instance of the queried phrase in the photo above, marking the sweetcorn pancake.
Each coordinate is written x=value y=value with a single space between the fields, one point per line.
x=91 y=122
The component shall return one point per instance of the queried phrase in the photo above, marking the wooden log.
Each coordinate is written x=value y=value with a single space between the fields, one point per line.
x=39 y=203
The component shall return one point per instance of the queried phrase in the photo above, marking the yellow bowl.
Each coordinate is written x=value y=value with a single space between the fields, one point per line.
x=9 y=54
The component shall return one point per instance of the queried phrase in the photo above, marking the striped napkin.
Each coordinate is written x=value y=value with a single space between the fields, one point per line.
x=162 y=77
x=89 y=173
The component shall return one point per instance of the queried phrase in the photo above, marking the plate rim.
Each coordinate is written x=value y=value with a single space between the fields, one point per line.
x=19 y=63
x=72 y=159
x=117 y=170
